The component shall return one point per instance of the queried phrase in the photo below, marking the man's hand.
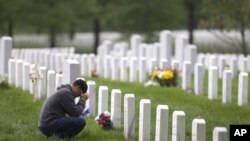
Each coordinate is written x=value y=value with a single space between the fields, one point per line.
x=84 y=97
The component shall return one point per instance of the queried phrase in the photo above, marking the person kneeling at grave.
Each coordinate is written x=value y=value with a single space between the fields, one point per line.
x=60 y=115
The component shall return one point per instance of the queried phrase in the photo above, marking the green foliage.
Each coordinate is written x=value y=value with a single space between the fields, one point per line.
x=126 y=16
x=224 y=14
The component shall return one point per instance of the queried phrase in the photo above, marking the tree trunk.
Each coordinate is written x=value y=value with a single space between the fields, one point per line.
x=96 y=34
x=10 y=27
x=243 y=39
x=71 y=32
x=52 y=38
x=191 y=19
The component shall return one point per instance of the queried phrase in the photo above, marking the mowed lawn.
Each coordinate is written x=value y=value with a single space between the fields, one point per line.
x=19 y=112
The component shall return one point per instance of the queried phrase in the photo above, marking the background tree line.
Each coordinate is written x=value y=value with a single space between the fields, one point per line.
x=54 y=17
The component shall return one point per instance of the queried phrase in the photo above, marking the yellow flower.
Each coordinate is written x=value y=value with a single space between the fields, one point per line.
x=166 y=75
x=154 y=74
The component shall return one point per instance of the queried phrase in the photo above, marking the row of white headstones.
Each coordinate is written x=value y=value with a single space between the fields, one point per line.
x=117 y=62
x=20 y=70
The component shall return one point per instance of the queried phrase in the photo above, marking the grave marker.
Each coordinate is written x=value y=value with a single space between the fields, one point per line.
x=198 y=130
x=178 y=126
x=129 y=116
x=220 y=134
x=144 y=120
x=161 y=129
x=5 y=53
x=116 y=108
x=92 y=96
x=102 y=99
x=227 y=87
x=243 y=89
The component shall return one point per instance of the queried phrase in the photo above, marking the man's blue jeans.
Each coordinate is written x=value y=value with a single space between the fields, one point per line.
x=64 y=127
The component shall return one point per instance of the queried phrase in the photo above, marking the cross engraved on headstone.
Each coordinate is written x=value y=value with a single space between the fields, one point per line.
x=35 y=76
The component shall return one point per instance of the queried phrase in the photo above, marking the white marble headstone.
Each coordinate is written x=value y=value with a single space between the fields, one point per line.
x=129 y=116
x=116 y=108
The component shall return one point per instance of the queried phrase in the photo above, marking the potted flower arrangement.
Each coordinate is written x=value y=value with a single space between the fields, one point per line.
x=164 y=77
x=104 y=121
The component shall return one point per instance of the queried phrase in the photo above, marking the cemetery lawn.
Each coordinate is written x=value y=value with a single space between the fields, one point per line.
x=19 y=113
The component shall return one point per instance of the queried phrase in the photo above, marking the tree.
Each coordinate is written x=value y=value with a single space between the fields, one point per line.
x=145 y=16
x=11 y=14
x=225 y=15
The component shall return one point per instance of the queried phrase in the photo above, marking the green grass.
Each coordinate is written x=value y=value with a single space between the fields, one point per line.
x=19 y=113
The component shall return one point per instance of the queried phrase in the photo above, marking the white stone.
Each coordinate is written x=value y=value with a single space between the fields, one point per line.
x=161 y=129
x=142 y=70
x=202 y=59
x=58 y=62
x=91 y=64
x=191 y=55
x=144 y=120
x=180 y=44
x=178 y=126
x=51 y=82
x=222 y=66
x=47 y=60
x=133 y=68
x=198 y=130
x=35 y=77
x=213 y=83
x=220 y=134
x=166 y=45
x=31 y=85
x=186 y=76
x=71 y=71
x=99 y=66
x=26 y=72
x=114 y=68
x=243 y=89
x=244 y=65
x=129 y=116
x=198 y=79
x=43 y=81
x=123 y=69
x=52 y=61
x=107 y=66
x=213 y=61
x=227 y=86
x=91 y=100
x=84 y=64
x=175 y=65
x=102 y=99
x=59 y=80
x=152 y=65
x=156 y=51
x=5 y=53
x=142 y=50
x=233 y=66
x=135 y=42
x=12 y=71
x=165 y=64
x=116 y=108
x=19 y=73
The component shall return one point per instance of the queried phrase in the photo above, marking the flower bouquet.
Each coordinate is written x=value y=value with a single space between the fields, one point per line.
x=164 y=77
x=104 y=121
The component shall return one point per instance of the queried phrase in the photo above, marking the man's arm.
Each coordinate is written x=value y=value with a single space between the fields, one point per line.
x=72 y=109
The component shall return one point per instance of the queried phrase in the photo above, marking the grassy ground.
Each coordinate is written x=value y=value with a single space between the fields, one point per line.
x=19 y=113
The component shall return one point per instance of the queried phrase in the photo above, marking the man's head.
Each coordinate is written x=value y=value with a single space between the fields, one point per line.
x=79 y=87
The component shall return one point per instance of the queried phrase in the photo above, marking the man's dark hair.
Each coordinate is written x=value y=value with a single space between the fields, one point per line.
x=83 y=85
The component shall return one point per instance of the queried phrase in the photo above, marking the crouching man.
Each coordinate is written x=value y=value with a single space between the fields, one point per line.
x=59 y=115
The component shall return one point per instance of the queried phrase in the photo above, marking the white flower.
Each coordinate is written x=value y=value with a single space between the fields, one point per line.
x=106 y=113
